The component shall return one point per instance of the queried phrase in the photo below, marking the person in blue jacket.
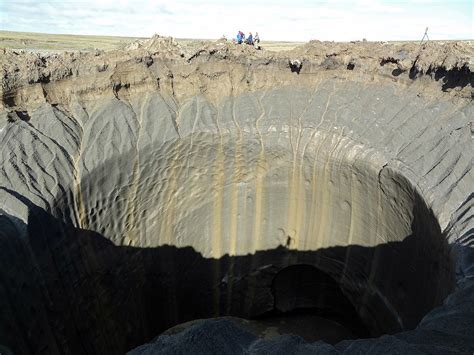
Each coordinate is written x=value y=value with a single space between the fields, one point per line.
x=240 y=37
x=250 y=39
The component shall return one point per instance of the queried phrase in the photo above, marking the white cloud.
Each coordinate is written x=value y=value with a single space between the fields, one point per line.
x=274 y=20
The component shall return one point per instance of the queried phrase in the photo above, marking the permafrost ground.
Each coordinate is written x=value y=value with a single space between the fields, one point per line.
x=324 y=192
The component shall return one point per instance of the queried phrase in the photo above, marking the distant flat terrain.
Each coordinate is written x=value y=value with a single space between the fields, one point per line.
x=60 y=42
x=63 y=42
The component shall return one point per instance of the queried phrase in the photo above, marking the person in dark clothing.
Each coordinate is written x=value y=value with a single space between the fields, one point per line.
x=250 y=39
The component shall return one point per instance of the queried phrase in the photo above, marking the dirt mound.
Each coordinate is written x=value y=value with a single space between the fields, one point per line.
x=157 y=44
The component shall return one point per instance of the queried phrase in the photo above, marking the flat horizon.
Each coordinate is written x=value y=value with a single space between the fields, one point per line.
x=216 y=38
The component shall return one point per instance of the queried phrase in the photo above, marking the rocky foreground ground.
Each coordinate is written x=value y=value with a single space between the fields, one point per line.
x=160 y=184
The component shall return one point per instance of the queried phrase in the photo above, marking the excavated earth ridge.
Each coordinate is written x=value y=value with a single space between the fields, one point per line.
x=240 y=191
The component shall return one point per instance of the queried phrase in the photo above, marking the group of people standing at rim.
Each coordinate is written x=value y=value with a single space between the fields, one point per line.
x=249 y=40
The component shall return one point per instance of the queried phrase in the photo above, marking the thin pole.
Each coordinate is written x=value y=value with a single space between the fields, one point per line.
x=425 y=35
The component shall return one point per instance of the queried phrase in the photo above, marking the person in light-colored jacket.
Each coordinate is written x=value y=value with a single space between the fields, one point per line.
x=256 y=39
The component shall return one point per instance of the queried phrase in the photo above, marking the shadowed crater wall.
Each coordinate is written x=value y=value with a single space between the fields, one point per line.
x=83 y=293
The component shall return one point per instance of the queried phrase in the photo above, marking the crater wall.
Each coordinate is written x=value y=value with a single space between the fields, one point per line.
x=163 y=191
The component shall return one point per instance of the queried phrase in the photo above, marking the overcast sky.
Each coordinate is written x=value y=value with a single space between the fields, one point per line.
x=297 y=20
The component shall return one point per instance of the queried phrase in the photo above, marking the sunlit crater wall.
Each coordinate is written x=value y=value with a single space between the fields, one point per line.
x=256 y=172
x=297 y=168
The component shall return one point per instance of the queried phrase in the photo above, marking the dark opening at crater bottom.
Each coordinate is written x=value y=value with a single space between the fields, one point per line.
x=307 y=303
x=310 y=303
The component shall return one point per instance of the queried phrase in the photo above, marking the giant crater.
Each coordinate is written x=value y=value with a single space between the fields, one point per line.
x=225 y=200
